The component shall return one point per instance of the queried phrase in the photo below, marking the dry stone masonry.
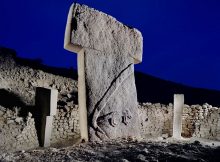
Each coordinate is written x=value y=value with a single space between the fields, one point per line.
x=200 y=121
x=107 y=51
x=16 y=133
x=65 y=126
x=156 y=120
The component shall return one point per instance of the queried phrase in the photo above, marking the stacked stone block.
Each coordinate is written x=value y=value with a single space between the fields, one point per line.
x=206 y=122
x=188 y=124
x=16 y=133
x=156 y=119
x=27 y=139
x=65 y=125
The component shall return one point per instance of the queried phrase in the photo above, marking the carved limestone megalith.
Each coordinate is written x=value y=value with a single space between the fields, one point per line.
x=107 y=51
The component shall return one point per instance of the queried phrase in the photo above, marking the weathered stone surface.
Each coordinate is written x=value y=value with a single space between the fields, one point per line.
x=92 y=29
x=107 y=50
x=111 y=96
x=177 y=115
x=3 y=83
x=46 y=106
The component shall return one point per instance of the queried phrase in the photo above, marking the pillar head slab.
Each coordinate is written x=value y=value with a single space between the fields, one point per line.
x=89 y=28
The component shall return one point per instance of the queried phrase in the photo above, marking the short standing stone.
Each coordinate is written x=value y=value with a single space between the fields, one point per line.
x=18 y=120
x=177 y=116
x=46 y=106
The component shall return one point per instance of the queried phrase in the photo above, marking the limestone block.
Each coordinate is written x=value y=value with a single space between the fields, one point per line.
x=107 y=51
x=46 y=101
x=177 y=115
x=46 y=107
x=89 y=28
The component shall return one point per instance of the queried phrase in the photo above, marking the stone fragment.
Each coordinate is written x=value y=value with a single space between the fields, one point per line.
x=10 y=121
x=69 y=95
x=107 y=51
x=29 y=114
x=18 y=120
x=1 y=113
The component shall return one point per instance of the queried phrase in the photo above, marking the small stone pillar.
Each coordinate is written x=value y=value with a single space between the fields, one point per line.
x=46 y=107
x=177 y=115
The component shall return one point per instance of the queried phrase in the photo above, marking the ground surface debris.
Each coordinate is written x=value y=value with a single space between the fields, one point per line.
x=123 y=151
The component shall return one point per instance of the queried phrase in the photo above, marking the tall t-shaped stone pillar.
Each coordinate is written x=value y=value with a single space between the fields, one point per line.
x=107 y=51
x=177 y=115
x=46 y=107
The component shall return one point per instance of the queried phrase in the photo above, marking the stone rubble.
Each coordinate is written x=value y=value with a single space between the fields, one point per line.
x=16 y=132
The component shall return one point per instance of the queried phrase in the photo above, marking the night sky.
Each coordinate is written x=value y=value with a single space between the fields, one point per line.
x=181 y=37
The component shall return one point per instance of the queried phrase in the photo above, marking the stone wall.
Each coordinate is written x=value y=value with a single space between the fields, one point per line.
x=156 y=119
x=19 y=133
x=65 y=125
x=17 y=88
x=198 y=121
x=201 y=121
x=16 y=133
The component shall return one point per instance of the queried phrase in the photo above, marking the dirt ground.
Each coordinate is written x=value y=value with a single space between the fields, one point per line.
x=122 y=150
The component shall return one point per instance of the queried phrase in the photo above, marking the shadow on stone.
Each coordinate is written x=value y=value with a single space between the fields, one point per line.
x=10 y=100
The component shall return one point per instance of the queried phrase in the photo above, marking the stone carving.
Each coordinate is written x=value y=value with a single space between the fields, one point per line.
x=107 y=51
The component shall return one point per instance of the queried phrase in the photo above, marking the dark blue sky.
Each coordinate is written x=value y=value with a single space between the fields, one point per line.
x=181 y=37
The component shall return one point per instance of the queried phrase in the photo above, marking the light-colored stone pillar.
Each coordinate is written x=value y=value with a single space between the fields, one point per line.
x=177 y=115
x=218 y=128
x=107 y=51
x=46 y=108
